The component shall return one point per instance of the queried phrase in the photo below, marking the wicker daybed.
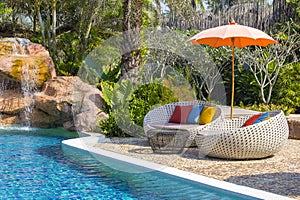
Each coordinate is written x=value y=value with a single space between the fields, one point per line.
x=232 y=141
x=165 y=137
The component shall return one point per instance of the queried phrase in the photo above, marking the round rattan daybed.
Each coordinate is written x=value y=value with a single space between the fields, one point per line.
x=165 y=138
x=232 y=141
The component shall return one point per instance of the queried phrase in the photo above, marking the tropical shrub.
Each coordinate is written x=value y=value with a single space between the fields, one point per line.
x=246 y=88
x=286 y=92
x=110 y=127
x=146 y=97
x=116 y=96
x=127 y=108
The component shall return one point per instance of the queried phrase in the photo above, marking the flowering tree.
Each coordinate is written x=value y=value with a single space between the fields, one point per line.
x=266 y=63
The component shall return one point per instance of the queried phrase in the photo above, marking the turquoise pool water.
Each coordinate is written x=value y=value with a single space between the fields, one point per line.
x=34 y=166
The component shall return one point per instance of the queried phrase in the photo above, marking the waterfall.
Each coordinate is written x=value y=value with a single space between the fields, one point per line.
x=28 y=88
x=28 y=80
x=24 y=67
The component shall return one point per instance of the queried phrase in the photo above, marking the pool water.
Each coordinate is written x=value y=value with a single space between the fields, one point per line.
x=34 y=166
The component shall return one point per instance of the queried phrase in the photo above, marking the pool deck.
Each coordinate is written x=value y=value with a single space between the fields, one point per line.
x=277 y=177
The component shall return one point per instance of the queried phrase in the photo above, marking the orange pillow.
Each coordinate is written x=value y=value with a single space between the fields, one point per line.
x=180 y=114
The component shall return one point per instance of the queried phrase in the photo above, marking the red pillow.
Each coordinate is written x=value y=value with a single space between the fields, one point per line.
x=180 y=114
x=251 y=120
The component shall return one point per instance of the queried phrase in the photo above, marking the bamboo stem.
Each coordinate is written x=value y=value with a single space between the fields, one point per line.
x=232 y=80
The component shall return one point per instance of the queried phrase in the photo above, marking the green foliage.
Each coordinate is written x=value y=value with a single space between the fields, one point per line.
x=115 y=92
x=71 y=53
x=112 y=72
x=4 y=11
x=69 y=63
x=110 y=127
x=107 y=91
x=147 y=97
x=122 y=92
x=246 y=88
x=286 y=91
x=116 y=96
x=296 y=4
x=267 y=107
x=127 y=108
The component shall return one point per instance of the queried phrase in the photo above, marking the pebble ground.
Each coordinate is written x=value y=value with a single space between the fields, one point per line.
x=279 y=174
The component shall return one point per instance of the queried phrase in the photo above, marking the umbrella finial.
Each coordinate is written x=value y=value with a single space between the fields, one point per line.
x=232 y=22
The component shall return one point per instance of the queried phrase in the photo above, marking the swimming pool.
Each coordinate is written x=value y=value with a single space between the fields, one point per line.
x=35 y=166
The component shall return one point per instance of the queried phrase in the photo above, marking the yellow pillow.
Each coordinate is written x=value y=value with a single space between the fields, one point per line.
x=207 y=114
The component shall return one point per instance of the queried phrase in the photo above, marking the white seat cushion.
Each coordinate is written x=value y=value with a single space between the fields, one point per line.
x=175 y=126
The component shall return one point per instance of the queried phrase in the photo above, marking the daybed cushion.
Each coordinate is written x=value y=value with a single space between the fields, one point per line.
x=207 y=114
x=180 y=114
x=175 y=126
x=193 y=117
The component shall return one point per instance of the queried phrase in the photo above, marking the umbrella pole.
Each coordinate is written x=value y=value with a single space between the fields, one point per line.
x=232 y=80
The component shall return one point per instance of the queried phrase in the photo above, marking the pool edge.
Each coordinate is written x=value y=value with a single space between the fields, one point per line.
x=87 y=144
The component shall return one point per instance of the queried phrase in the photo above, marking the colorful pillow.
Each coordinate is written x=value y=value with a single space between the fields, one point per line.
x=207 y=114
x=251 y=120
x=256 y=119
x=193 y=117
x=180 y=114
x=262 y=117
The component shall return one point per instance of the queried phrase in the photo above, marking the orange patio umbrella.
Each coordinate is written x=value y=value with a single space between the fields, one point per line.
x=233 y=35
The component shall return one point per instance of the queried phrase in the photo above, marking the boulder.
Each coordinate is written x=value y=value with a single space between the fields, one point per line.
x=68 y=102
x=21 y=59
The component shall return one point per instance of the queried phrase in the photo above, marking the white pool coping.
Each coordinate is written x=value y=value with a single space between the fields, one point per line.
x=88 y=143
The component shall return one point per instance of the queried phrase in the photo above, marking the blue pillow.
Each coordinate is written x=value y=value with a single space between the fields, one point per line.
x=194 y=115
x=262 y=117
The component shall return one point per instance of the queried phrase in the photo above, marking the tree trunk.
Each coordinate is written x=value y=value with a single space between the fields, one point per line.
x=87 y=33
x=88 y=14
x=53 y=46
x=41 y=22
x=49 y=28
x=93 y=10
x=131 y=58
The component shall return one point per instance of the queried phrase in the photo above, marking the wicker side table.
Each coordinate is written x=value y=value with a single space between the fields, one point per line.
x=168 y=141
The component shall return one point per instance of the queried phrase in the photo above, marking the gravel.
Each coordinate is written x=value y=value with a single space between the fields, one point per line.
x=278 y=174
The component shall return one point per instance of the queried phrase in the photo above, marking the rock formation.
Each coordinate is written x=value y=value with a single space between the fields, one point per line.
x=68 y=102
x=32 y=94
x=20 y=59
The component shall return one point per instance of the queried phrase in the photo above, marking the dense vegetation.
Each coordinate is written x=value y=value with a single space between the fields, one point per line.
x=267 y=78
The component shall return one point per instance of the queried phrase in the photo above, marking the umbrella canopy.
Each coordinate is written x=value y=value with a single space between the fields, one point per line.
x=233 y=35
